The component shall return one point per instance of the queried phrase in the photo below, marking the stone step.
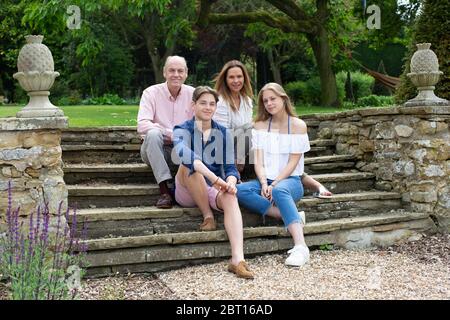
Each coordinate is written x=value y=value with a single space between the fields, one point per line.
x=329 y=164
x=79 y=173
x=100 y=135
x=128 y=134
x=85 y=151
x=120 y=221
x=159 y=252
x=103 y=195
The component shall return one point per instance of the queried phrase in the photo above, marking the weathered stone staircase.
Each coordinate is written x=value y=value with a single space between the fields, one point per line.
x=115 y=193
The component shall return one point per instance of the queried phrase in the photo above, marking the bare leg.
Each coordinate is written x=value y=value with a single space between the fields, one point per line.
x=311 y=183
x=274 y=212
x=196 y=185
x=315 y=186
x=233 y=225
x=296 y=231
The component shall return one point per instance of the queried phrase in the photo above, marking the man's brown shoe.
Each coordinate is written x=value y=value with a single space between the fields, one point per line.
x=208 y=224
x=164 y=201
x=241 y=270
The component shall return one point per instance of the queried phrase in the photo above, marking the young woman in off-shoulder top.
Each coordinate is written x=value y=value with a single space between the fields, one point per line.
x=279 y=140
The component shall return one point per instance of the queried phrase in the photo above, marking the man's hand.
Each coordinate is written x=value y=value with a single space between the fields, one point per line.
x=168 y=136
x=167 y=140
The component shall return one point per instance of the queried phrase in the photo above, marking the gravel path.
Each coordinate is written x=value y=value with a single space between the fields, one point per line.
x=417 y=270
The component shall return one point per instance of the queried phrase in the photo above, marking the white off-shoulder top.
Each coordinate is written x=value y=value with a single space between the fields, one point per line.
x=277 y=148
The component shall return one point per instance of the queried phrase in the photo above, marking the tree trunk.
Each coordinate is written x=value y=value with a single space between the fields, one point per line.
x=148 y=30
x=322 y=52
x=274 y=67
x=263 y=75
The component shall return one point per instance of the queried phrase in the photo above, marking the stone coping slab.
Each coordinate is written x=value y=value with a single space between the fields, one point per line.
x=425 y=110
x=20 y=124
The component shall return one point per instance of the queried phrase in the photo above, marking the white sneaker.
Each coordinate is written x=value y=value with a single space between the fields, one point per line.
x=298 y=256
x=302 y=216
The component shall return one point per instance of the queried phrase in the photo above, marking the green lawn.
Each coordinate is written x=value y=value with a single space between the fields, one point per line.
x=103 y=116
x=91 y=116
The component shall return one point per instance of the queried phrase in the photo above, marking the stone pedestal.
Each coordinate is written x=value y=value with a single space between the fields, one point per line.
x=30 y=159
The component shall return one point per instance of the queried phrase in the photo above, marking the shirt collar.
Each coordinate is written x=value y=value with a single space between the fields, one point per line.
x=214 y=124
x=167 y=91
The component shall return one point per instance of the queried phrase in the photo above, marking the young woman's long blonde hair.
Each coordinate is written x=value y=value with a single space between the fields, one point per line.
x=262 y=114
x=221 y=83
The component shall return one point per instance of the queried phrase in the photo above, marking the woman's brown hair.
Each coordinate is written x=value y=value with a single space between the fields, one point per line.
x=262 y=114
x=222 y=87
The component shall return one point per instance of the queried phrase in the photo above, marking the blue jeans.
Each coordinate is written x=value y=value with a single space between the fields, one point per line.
x=285 y=195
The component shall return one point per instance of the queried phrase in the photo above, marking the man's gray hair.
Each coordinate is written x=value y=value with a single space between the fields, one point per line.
x=175 y=57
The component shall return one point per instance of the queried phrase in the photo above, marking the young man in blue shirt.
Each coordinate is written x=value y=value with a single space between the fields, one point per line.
x=207 y=175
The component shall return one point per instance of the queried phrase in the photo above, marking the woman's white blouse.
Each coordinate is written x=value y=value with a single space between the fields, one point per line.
x=276 y=149
x=232 y=119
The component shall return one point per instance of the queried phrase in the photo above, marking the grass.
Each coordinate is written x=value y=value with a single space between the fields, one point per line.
x=104 y=116
x=90 y=116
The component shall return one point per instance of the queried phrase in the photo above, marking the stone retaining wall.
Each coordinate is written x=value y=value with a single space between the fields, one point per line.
x=30 y=158
x=407 y=148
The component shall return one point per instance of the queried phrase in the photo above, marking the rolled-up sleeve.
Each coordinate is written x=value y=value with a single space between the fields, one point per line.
x=229 y=165
x=183 y=147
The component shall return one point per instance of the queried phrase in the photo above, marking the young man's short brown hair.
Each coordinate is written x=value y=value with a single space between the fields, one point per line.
x=202 y=90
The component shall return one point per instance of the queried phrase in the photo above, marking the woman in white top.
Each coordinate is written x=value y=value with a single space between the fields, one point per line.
x=235 y=112
x=279 y=141
x=235 y=107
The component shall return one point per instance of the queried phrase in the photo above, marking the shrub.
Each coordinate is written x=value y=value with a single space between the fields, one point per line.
x=133 y=101
x=296 y=91
x=39 y=264
x=106 y=99
x=309 y=92
x=362 y=83
x=74 y=98
x=375 y=101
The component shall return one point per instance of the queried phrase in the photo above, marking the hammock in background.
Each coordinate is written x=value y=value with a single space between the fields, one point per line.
x=388 y=81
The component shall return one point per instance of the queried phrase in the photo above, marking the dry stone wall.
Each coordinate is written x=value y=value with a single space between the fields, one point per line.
x=30 y=160
x=407 y=148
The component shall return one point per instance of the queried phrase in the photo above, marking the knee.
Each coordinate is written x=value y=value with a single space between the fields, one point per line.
x=228 y=199
x=243 y=190
x=279 y=192
x=154 y=135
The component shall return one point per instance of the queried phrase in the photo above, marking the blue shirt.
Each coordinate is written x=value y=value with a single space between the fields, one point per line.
x=217 y=154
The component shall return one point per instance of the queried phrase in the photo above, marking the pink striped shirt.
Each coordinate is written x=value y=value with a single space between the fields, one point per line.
x=158 y=109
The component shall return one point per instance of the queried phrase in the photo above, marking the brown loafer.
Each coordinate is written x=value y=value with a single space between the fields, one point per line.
x=164 y=201
x=208 y=224
x=241 y=270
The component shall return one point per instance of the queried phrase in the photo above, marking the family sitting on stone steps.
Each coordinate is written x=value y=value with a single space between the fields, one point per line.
x=203 y=129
